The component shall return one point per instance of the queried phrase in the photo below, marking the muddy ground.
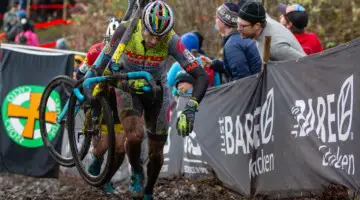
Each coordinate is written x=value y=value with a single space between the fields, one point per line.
x=18 y=187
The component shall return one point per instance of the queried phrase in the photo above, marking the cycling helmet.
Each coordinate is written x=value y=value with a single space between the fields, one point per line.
x=158 y=18
x=190 y=41
x=113 y=24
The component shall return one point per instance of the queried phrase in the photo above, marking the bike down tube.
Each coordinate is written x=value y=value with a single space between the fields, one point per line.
x=126 y=37
x=65 y=109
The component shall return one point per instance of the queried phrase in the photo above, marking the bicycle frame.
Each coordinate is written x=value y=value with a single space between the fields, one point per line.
x=116 y=56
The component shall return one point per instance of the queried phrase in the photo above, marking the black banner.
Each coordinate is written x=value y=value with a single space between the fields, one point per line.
x=292 y=131
x=23 y=77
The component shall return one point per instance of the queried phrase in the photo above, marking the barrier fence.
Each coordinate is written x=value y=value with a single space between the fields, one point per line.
x=288 y=133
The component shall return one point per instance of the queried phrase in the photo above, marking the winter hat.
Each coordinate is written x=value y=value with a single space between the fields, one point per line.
x=296 y=14
x=227 y=13
x=190 y=41
x=25 y=24
x=61 y=43
x=253 y=12
x=21 y=14
x=182 y=76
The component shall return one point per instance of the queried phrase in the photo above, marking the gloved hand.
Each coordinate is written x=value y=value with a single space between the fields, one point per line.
x=136 y=85
x=185 y=122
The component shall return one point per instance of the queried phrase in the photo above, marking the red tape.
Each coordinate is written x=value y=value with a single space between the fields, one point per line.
x=50 y=6
x=53 y=23
x=48 y=45
x=2 y=36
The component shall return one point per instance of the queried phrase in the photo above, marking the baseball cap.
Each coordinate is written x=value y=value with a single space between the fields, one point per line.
x=296 y=14
x=285 y=9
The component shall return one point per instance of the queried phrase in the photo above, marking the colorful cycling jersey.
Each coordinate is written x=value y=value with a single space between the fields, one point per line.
x=153 y=60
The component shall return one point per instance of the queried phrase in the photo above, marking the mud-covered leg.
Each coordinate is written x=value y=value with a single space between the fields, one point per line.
x=155 y=162
x=134 y=130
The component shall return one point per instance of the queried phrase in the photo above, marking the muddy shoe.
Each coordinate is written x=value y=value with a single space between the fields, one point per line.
x=136 y=187
x=95 y=166
x=109 y=188
x=148 y=197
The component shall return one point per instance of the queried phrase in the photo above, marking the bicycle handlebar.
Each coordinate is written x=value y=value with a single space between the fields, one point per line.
x=123 y=76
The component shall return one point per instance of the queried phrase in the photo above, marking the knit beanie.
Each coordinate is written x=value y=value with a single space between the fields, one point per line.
x=253 y=12
x=182 y=76
x=61 y=44
x=227 y=13
x=21 y=14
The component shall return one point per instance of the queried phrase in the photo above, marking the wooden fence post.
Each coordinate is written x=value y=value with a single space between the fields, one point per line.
x=266 y=56
x=65 y=9
x=28 y=4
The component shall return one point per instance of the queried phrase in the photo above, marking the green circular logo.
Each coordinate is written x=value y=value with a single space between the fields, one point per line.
x=21 y=116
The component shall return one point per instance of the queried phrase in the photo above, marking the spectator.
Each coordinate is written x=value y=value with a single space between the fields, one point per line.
x=78 y=60
x=201 y=40
x=10 y=17
x=295 y=18
x=255 y=24
x=31 y=37
x=61 y=44
x=90 y=59
x=240 y=56
x=182 y=81
x=17 y=28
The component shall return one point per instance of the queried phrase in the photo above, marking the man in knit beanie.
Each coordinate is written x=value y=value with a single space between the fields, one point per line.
x=254 y=23
x=240 y=56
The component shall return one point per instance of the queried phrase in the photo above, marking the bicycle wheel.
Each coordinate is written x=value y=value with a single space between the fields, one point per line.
x=93 y=129
x=64 y=85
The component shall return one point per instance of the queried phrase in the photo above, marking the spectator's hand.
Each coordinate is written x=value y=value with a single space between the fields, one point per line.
x=205 y=60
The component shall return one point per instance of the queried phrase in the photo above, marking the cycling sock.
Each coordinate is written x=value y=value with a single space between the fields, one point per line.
x=119 y=158
x=133 y=150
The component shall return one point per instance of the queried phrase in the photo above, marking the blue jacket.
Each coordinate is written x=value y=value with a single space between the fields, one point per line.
x=241 y=57
x=177 y=74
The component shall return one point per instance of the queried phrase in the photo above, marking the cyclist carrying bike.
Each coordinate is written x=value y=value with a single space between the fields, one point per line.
x=148 y=49
x=100 y=145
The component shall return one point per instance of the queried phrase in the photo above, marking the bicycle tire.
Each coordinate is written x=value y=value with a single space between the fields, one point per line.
x=105 y=174
x=62 y=160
